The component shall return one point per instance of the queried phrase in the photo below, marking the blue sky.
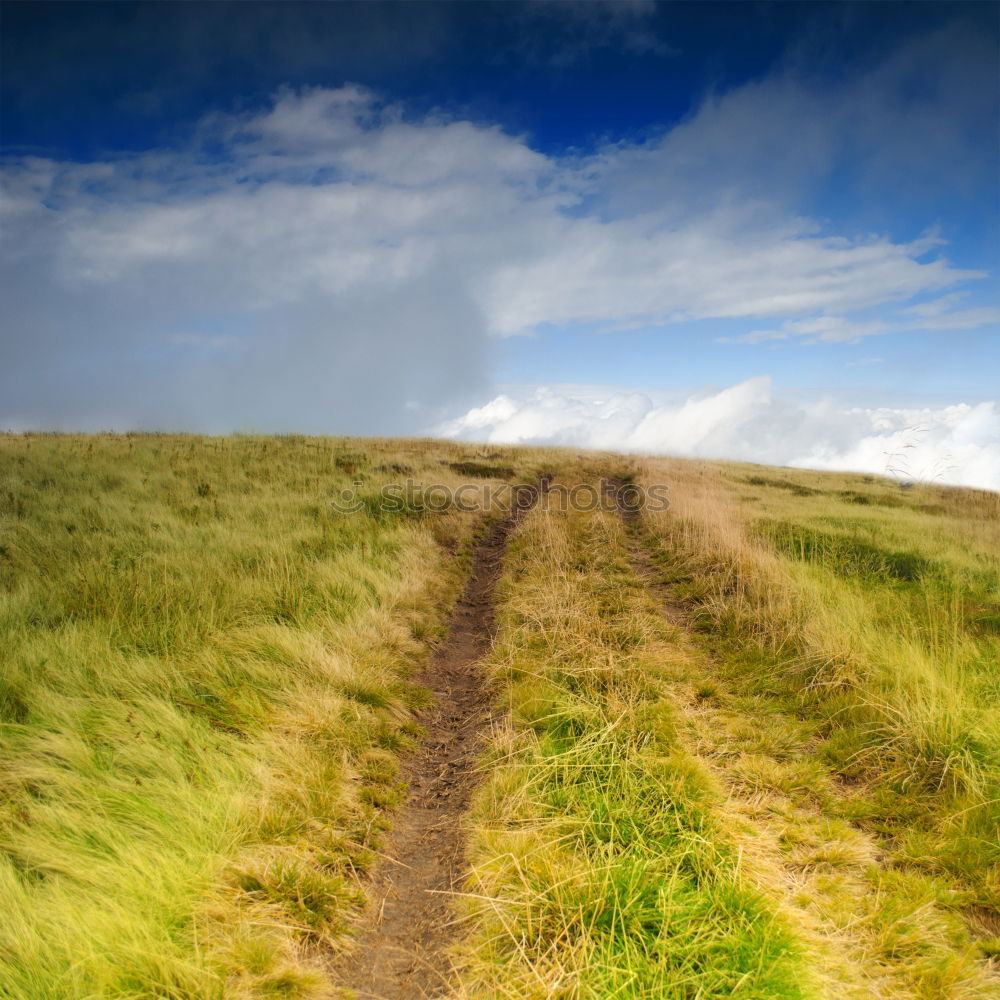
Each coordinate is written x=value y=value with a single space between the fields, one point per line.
x=572 y=222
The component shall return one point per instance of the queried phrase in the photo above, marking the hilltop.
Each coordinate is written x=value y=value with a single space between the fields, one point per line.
x=291 y=716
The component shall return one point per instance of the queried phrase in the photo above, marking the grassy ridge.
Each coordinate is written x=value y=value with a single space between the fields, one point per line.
x=871 y=609
x=203 y=694
x=600 y=867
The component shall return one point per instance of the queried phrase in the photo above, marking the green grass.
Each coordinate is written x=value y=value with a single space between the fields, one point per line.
x=600 y=868
x=874 y=619
x=203 y=694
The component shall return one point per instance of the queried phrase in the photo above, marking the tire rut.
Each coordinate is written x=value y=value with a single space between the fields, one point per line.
x=829 y=900
x=401 y=950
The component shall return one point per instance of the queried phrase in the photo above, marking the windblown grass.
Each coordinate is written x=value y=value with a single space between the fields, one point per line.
x=599 y=866
x=872 y=608
x=654 y=827
x=203 y=695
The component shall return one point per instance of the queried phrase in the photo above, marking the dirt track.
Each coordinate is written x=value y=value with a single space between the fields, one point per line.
x=401 y=950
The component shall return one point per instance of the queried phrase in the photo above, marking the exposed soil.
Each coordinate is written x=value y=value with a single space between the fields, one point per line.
x=401 y=952
x=642 y=564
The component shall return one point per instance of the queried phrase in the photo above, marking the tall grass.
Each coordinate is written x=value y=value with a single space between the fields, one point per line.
x=876 y=608
x=203 y=695
x=204 y=692
x=599 y=866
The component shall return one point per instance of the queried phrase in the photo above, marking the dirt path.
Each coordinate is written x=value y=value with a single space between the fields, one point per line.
x=401 y=950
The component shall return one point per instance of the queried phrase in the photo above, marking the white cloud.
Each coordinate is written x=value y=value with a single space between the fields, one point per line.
x=960 y=319
x=748 y=421
x=634 y=271
x=331 y=193
x=350 y=261
x=933 y=316
x=828 y=329
x=775 y=140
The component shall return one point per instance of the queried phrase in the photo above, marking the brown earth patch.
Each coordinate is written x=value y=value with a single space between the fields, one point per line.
x=401 y=950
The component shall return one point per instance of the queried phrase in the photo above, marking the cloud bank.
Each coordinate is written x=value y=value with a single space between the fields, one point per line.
x=330 y=262
x=957 y=444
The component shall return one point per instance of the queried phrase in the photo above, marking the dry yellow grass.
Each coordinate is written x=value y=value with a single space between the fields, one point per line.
x=868 y=613
x=204 y=694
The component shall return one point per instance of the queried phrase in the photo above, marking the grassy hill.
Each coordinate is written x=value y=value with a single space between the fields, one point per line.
x=747 y=747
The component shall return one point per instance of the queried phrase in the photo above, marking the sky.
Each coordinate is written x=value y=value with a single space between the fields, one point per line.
x=761 y=231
